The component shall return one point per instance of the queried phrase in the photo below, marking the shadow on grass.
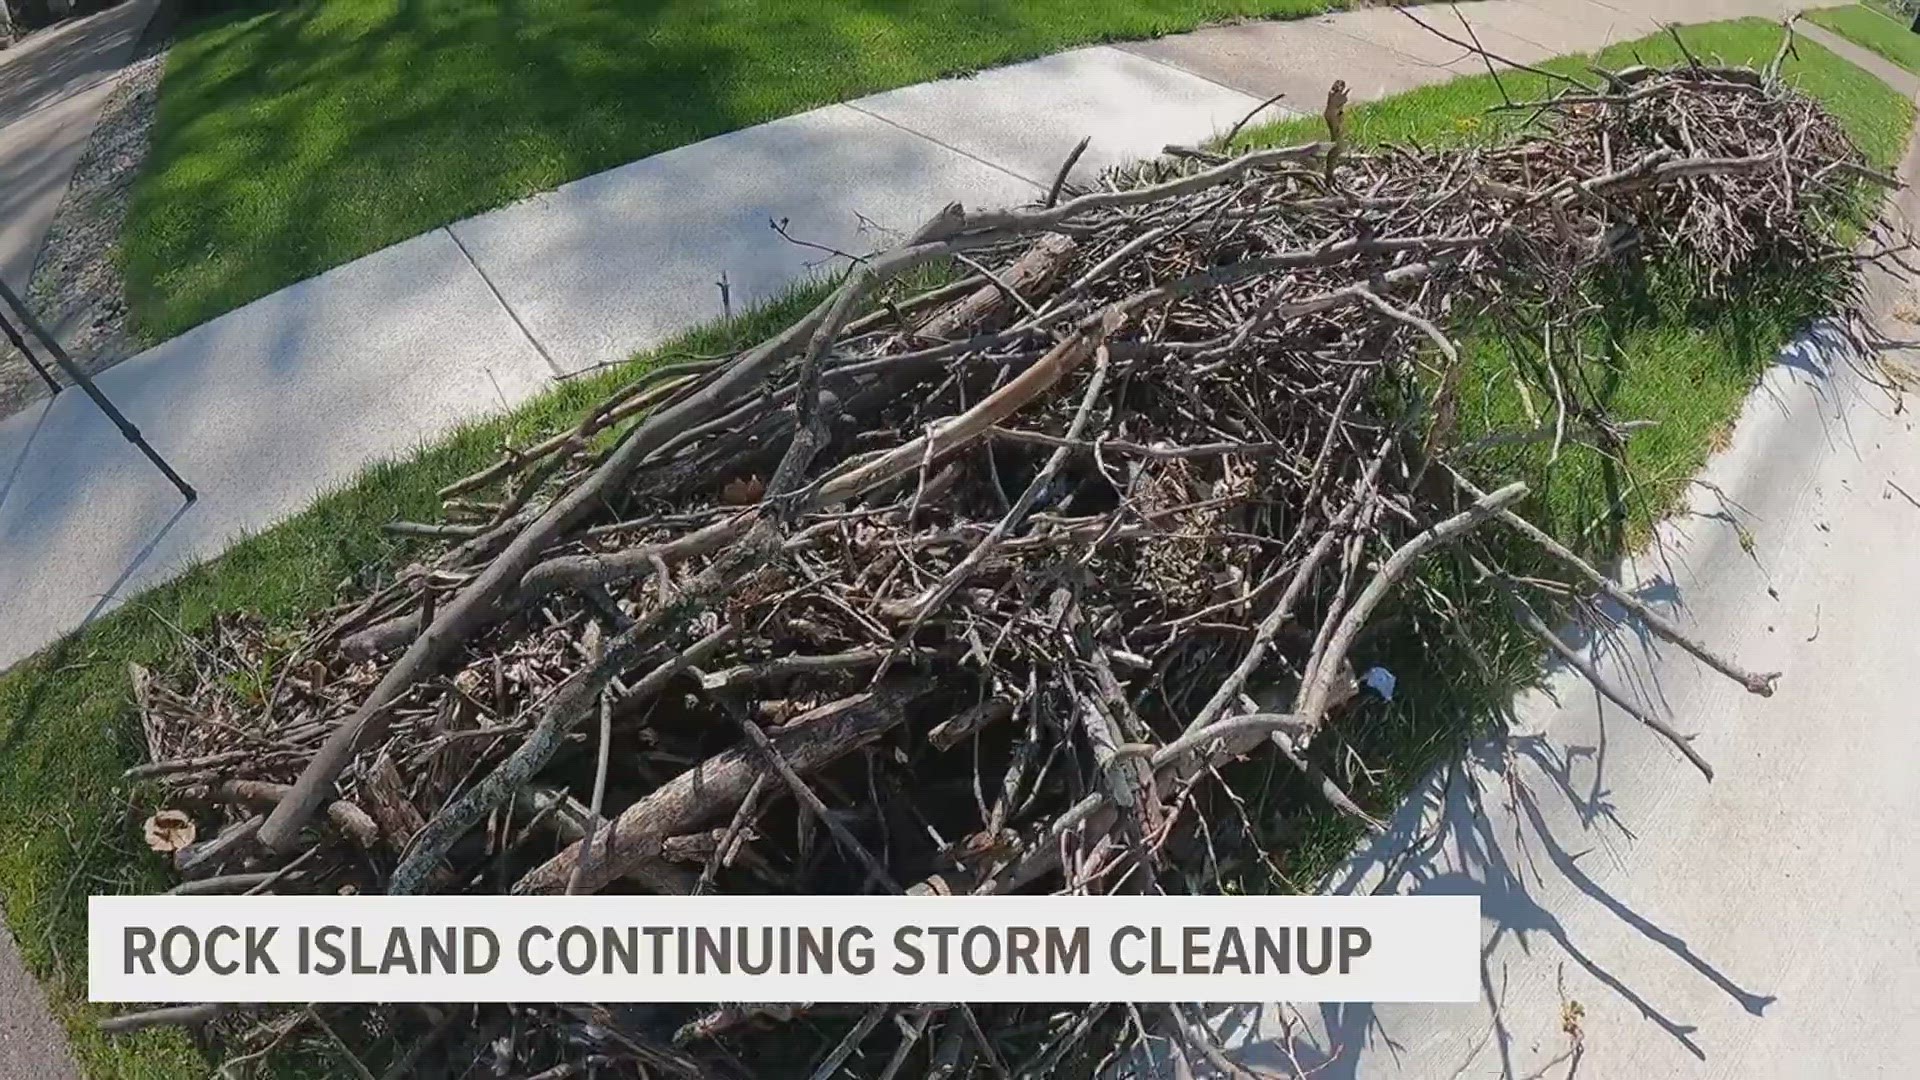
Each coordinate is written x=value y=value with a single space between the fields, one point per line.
x=1657 y=347
x=1463 y=664
x=295 y=136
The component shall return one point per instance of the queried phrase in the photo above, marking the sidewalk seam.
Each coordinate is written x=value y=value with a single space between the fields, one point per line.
x=1629 y=14
x=1172 y=66
x=1619 y=26
x=525 y=332
x=942 y=144
x=1410 y=58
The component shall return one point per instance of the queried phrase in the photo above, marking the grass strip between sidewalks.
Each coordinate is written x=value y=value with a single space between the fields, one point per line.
x=67 y=725
x=296 y=135
x=1874 y=29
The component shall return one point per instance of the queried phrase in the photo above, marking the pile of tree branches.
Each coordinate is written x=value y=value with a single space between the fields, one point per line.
x=982 y=587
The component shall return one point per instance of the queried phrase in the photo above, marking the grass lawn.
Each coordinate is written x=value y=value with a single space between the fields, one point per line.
x=1890 y=8
x=1873 y=28
x=67 y=727
x=1665 y=356
x=295 y=136
x=1876 y=116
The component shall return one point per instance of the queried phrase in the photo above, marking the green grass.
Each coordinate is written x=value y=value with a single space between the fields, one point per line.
x=1661 y=343
x=67 y=728
x=1873 y=28
x=1659 y=351
x=1457 y=111
x=293 y=137
x=1654 y=350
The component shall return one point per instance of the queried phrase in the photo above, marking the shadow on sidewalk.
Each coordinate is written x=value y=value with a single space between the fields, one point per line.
x=26 y=449
x=1530 y=822
x=53 y=665
x=57 y=61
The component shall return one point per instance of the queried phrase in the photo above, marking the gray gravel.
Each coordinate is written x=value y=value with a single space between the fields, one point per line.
x=76 y=288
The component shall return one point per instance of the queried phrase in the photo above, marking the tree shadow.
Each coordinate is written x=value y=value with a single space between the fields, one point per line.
x=62 y=60
x=295 y=136
x=1446 y=841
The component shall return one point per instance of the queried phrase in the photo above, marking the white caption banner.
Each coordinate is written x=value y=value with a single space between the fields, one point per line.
x=783 y=948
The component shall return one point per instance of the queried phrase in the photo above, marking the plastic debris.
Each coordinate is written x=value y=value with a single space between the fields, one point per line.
x=1380 y=681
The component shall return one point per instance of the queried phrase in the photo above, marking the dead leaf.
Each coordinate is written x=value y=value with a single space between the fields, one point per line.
x=169 y=831
x=743 y=491
x=1571 y=1013
x=142 y=681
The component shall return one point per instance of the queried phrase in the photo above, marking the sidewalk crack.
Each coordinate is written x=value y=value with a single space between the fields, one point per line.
x=994 y=165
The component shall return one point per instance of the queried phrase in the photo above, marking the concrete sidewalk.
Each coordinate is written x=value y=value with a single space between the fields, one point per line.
x=270 y=405
x=266 y=407
x=1758 y=926
x=53 y=85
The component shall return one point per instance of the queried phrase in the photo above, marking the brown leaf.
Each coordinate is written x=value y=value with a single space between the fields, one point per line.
x=743 y=491
x=142 y=681
x=169 y=830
